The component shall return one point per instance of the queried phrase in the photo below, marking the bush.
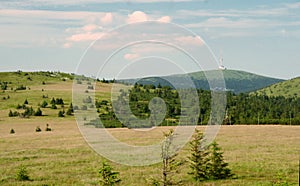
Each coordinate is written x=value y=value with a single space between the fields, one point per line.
x=48 y=128
x=13 y=114
x=22 y=174
x=53 y=106
x=108 y=177
x=26 y=102
x=70 y=110
x=84 y=107
x=21 y=87
x=44 y=104
x=38 y=129
x=61 y=114
x=38 y=112
x=12 y=131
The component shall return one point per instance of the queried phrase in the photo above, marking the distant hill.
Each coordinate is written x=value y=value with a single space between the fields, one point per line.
x=289 y=88
x=236 y=81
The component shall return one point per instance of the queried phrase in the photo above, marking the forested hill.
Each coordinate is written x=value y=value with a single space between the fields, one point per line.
x=236 y=81
x=288 y=89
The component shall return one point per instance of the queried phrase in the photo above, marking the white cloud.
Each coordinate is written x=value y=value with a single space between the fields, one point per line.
x=90 y=27
x=165 y=19
x=131 y=56
x=107 y=19
x=137 y=16
x=85 y=37
x=190 y=40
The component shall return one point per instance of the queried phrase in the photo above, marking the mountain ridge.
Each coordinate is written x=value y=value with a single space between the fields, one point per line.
x=236 y=80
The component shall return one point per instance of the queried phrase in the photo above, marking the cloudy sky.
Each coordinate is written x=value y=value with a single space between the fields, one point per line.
x=260 y=36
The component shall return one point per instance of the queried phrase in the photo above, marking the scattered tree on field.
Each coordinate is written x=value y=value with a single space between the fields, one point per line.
x=108 y=177
x=198 y=157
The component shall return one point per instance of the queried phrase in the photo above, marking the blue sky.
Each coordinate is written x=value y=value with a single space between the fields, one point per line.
x=256 y=36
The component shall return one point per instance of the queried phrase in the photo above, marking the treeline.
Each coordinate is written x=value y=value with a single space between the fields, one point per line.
x=240 y=108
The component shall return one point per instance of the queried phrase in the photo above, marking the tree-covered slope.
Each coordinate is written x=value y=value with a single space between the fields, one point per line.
x=236 y=81
x=289 y=88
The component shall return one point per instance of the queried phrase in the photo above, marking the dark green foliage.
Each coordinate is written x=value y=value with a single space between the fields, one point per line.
x=38 y=129
x=108 y=177
x=21 y=106
x=22 y=174
x=3 y=85
x=61 y=114
x=12 y=131
x=198 y=158
x=53 y=106
x=21 y=87
x=44 y=104
x=27 y=113
x=48 y=128
x=90 y=87
x=207 y=162
x=13 y=114
x=38 y=112
x=217 y=167
x=262 y=109
x=87 y=100
x=26 y=102
x=70 y=110
x=83 y=107
x=57 y=101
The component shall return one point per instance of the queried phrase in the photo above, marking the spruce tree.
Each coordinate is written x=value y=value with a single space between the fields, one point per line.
x=198 y=158
x=217 y=167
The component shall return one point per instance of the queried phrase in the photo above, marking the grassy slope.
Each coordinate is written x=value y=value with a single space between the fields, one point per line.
x=289 y=88
x=259 y=155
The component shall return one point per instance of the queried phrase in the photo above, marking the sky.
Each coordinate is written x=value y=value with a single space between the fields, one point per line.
x=258 y=36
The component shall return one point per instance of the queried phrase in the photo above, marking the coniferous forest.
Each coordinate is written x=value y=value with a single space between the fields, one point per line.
x=241 y=108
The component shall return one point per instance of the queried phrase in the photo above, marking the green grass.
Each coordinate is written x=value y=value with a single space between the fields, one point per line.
x=289 y=88
x=258 y=155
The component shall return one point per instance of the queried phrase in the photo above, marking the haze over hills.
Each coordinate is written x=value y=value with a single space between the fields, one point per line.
x=289 y=89
x=236 y=81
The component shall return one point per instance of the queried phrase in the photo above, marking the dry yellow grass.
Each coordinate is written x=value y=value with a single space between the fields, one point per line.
x=258 y=155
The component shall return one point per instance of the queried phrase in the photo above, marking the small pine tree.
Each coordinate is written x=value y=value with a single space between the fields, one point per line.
x=169 y=162
x=108 y=177
x=53 y=106
x=44 y=104
x=198 y=158
x=12 y=131
x=218 y=168
x=52 y=102
x=22 y=174
x=26 y=102
x=10 y=114
x=48 y=128
x=61 y=114
x=38 y=112
x=70 y=110
x=38 y=129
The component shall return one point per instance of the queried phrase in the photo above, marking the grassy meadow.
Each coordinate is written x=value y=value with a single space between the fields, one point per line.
x=257 y=154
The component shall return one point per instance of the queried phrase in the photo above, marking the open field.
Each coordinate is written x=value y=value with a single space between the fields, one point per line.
x=258 y=155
